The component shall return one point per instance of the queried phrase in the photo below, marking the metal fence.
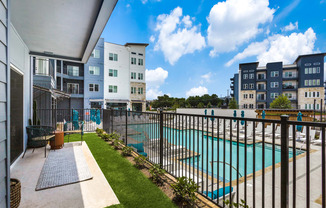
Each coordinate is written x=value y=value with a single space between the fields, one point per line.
x=266 y=163
x=57 y=117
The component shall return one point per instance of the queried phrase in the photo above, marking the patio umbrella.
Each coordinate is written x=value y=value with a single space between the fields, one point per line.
x=128 y=111
x=205 y=113
x=75 y=119
x=299 y=118
x=242 y=116
x=98 y=117
x=234 y=115
x=93 y=115
x=212 y=119
x=263 y=115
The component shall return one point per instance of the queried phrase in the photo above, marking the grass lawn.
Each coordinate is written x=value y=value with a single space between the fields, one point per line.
x=130 y=185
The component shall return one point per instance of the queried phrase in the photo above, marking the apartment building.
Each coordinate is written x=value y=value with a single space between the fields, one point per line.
x=302 y=82
x=124 y=76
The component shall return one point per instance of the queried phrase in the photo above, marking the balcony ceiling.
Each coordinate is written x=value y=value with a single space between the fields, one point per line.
x=60 y=28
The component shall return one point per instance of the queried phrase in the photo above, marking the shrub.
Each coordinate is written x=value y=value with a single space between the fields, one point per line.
x=140 y=161
x=157 y=173
x=100 y=132
x=126 y=151
x=105 y=137
x=114 y=136
x=184 y=190
x=116 y=143
x=233 y=204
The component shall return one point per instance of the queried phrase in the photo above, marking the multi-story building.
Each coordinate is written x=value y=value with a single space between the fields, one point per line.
x=302 y=82
x=124 y=76
x=234 y=87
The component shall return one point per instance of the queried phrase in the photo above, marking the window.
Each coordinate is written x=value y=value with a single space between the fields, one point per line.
x=317 y=106
x=274 y=84
x=94 y=70
x=140 y=62
x=306 y=70
x=288 y=74
x=306 y=83
x=310 y=82
x=73 y=88
x=274 y=74
x=307 y=64
x=140 y=76
x=133 y=90
x=245 y=96
x=251 y=96
x=251 y=86
x=73 y=70
x=245 y=86
x=306 y=94
x=140 y=90
x=93 y=88
x=113 y=57
x=310 y=70
x=274 y=95
x=314 y=70
x=245 y=76
x=318 y=81
x=245 y=106
x=113 y=89
x=316 y=63
x=133 y=60
x=133 y=75
x=317 y=94
x=309 y=94
x=251 y=76
x=251 y=106
x=134 y=53
x=289 y=95
x=95 y=53
x=140 y=54
x=113 y=73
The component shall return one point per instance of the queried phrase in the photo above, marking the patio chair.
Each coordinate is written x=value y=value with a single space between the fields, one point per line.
x=319 y=141
x=72 y=129
x=39 y=136
x=304 y=139
x=218 y=194
x=139 y=148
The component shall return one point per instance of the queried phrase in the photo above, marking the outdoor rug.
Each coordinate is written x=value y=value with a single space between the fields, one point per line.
x=64 y=166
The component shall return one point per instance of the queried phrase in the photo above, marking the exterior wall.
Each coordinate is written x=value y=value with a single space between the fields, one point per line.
x=248 y=100
x=122 y=65
x=249 y=113
x=137 y=96
x=94 y=79
x=308 y=62
x=302 y=100
x=278 y=66
x=4 y=133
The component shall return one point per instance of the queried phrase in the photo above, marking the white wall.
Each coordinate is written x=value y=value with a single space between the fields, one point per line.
x=135 y=67
x=218 y=112
x=20 y=59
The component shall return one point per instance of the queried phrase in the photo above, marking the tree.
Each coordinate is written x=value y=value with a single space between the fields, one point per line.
x=209 y=105
x=233 y=104
x=281 y=102
x=200 y=105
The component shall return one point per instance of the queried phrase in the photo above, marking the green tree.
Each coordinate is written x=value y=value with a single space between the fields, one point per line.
x=233 y=104
x=200 y=105
x=209 y=105
x=281 y=102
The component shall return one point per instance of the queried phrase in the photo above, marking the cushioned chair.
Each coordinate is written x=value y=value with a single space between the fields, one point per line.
x=139 y=147
x=39 y=136
x=218 y=194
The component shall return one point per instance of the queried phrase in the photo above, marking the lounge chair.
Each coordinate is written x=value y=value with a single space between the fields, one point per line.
x=139 y=148
x=186 y=173
x=218 y=194
x=304 y=139
x=319 y=141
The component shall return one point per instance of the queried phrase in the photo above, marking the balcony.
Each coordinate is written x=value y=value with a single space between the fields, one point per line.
x=261 y=88
x=289 y=87
x=291 y=76
x=261 y=77
x=261 y=98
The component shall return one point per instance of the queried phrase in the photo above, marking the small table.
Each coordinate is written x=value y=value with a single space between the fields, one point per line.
x=58 y=141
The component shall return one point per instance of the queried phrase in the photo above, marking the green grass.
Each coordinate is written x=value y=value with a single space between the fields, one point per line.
x=130 y=185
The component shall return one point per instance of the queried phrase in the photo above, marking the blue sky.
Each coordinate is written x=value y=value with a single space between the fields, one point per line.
x=195 y=46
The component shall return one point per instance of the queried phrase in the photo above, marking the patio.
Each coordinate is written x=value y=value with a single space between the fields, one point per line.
x=91 y=193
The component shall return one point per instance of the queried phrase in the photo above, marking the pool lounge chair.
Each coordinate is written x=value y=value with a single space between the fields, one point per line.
x=304 y=139
x=186 y=173
x=218 y=194
x=139 y=148
x=319 y=141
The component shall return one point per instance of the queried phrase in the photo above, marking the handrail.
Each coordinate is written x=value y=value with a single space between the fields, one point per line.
x=226 y=164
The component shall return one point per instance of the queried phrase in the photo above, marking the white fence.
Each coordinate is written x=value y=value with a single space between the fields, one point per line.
x=218 y=112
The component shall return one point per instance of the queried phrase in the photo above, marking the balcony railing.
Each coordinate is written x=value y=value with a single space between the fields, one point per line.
x=260 y=161
x=289 y=87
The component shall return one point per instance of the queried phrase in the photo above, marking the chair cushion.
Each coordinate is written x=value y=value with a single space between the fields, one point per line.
x=209 y=194
x=218 y=193
x=143 y=153
x=138 y=146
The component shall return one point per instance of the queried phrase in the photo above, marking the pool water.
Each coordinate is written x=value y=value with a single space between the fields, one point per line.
x=212 y=150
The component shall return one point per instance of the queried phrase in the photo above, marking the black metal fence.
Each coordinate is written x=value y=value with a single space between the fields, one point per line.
x=266 y=163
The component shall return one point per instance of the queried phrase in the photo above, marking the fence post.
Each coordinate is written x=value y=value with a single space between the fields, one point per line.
x=126 y=127
x=284 y=161
x=111 y=113
x=161 y=138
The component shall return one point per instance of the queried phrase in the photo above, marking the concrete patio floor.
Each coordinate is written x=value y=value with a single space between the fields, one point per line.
x=91 y=193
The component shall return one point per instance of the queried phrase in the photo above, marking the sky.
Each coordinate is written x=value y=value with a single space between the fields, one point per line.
x=195 y=46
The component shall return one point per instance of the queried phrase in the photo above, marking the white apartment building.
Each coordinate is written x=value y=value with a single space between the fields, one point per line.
x=124 y=76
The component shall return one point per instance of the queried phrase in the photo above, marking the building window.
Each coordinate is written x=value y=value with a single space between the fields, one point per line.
x=245 y=76
x=289 y=95
x=94 y=70
x=251 y=86
x=274 y=95
x=251 y=106
x=306 y=94
x=310 y=70
x=251 y=96
x=113 y=89
x=133 y=60
x=73 y=70
x=318 y=94
x=133 y=53
x=95 y=53
x=73 y=88
x=318 y=69
x=140 y=76
x=113 y=57
x=318 y=81
x=140 y=90
x=310 y=82
x=93 y=88
x=245 y=96
x=288 y=74
x=140 y=54
x=306 y=82
x=140 y=62
x=133 y=75
x=245 y=106
x=317 y=106
x=113 y=73
x=274 y=74
x=274 y=84
x=251 y=76
x=133 y=90
x=306 y=70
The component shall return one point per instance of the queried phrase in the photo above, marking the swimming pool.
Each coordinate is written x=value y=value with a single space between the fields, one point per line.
x=212 y=150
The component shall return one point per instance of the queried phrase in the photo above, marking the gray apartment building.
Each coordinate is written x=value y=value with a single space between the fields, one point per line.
x=302 y=82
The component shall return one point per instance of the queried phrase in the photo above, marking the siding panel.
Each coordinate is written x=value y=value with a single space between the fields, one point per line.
x=3 y=114
x=3 y=53
x=3 y=92
x=3 y=132
x=2 y=150
x=3 y=73
x=3 y=167
x=2 y=190
x=3 y=13
x=3 y=34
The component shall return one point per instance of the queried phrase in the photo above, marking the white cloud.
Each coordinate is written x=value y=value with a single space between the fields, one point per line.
x=291 y=27
x=197 y=91
x=234 y=22
x=152 y=39
x=207 y=77
x=154 y=79
x=279 y=48
x=144 y=1
x=177 y=36
x=128 y=5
